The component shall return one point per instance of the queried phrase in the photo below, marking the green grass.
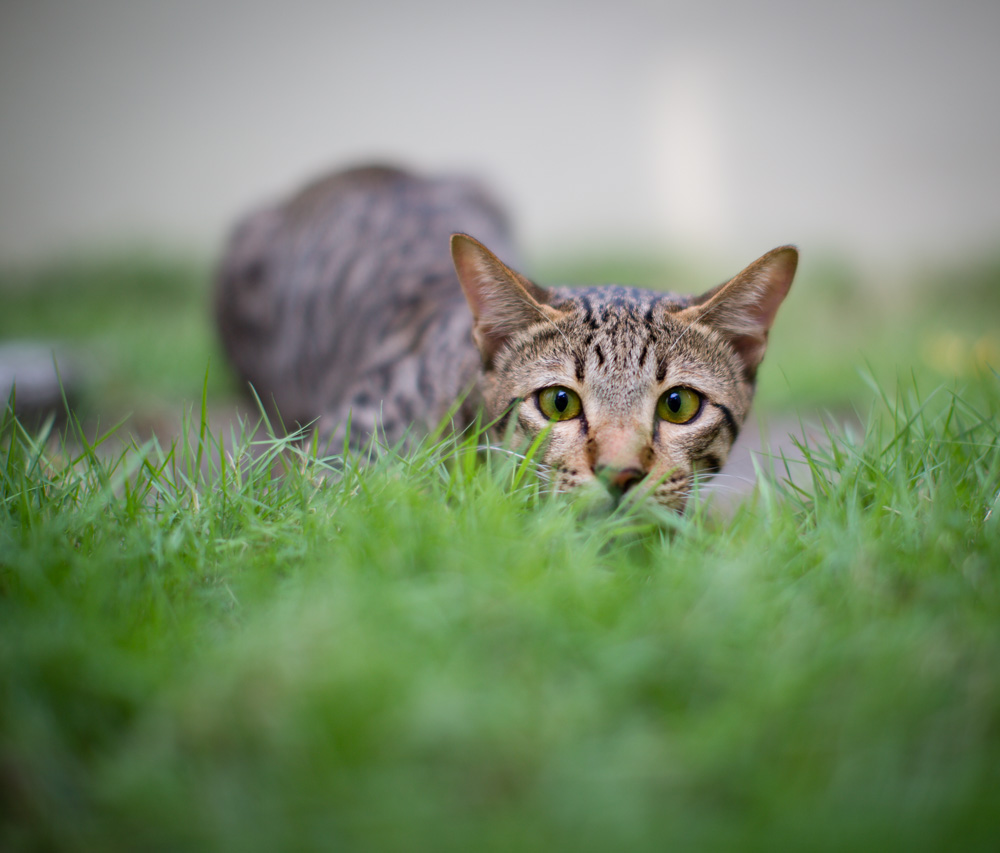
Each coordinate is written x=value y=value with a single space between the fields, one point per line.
x=231 y=644
x=221 y=641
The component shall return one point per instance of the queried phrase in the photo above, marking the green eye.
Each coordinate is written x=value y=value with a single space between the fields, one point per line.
x=558 y=403
x=679 y=405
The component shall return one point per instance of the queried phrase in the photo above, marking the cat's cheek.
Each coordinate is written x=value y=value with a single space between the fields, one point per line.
x=673 y=496
x=585 y=492
x=562 y=455
x=669 y=483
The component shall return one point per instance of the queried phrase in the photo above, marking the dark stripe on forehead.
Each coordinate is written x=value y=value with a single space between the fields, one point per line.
x=545 y=334
x=588 y=313
x=578 y=358
x=661 y=369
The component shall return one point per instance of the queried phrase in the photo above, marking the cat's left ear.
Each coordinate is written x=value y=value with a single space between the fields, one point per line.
x=503 y=301
x=743 y=308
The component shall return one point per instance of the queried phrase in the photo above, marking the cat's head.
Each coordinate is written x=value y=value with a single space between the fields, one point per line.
x=638 y=389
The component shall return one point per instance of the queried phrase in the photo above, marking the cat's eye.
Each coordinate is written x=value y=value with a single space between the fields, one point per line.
x=679 y=405
x=558 y=403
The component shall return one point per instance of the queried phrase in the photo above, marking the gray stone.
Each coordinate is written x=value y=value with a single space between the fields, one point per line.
x=37 y=369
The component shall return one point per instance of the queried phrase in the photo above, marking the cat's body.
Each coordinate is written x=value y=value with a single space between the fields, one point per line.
x=345 y=302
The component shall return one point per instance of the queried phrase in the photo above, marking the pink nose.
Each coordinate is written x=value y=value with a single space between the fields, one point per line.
x=619 y=480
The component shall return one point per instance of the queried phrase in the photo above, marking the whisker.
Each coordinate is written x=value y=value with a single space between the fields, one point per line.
x=676 y=341
x=720 y=488
x=499 y=449
x=739 y=477
x=552 y=323
x=730 y=490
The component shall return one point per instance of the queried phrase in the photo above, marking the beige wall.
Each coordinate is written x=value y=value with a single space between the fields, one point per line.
x=868 y=127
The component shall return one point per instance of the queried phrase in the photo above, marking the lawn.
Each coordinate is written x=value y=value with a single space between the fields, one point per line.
x=215 y=639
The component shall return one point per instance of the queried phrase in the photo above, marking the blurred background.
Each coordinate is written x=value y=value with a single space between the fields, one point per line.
x=657 y=142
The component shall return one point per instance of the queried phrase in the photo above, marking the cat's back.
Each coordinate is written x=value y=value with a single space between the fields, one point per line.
x=346 y=282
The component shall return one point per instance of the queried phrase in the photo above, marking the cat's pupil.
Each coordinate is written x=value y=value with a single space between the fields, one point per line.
x=562 y=400
x=674 y=402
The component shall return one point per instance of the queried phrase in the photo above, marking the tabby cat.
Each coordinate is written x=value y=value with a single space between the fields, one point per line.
x=344 y=305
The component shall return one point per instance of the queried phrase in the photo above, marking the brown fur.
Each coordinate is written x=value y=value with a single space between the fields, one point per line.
x=343 y=302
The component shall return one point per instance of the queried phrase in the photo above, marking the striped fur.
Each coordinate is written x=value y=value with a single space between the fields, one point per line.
x=344 y=302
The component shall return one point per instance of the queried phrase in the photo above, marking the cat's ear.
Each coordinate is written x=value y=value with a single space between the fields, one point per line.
x=502 y=301
x=743 y=308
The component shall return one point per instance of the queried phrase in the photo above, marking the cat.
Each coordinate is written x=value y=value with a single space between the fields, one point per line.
x=363 y=300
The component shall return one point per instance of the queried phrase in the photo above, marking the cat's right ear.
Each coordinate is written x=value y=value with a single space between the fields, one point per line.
x=502 y=301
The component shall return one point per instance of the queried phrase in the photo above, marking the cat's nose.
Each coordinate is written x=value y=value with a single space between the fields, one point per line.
x=619 y=480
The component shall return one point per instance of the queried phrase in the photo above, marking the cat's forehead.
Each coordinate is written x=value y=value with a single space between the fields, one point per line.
x=619 y=340
x=599 y=304
x=625 y=320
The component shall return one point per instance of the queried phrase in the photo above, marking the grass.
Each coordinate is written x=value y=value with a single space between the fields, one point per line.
x=229 y=643
x=221 y=640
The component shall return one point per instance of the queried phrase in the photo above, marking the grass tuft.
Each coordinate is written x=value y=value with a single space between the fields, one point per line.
x=233 y=642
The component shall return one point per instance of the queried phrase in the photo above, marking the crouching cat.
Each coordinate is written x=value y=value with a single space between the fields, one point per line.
x=362 y=299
